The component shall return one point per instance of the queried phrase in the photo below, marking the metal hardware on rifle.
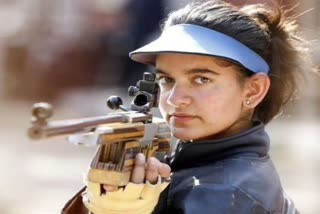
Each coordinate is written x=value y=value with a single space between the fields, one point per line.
x=115 y=103
x=42 y=110
x=40 y=113
x=145 y=93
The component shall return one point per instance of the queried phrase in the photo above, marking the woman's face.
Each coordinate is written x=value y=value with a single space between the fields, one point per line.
x=200 y=98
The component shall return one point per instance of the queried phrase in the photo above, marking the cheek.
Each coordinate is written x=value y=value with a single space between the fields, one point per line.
x=163 y=103
x=220 y=100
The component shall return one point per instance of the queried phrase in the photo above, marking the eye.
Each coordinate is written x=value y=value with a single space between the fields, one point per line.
x=164 y=80
x=201 y=80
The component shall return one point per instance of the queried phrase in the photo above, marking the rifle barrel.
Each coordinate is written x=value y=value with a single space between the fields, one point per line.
x=54 y=128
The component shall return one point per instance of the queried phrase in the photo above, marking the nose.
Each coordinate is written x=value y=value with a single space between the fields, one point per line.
x=179 y=96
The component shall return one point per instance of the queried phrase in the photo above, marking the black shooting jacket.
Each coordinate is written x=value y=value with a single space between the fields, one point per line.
x=233 y=175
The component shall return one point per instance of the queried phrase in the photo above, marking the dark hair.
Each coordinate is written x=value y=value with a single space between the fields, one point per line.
x=268 y=32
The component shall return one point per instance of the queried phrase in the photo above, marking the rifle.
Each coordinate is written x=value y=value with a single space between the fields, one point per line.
x=118 y=136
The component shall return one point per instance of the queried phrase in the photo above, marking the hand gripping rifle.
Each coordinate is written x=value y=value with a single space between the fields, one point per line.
x=119 y=136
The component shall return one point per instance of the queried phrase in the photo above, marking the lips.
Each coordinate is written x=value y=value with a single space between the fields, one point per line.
x=181 y=117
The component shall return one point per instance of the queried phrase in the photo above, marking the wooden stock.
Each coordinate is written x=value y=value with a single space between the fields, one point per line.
x=114 y=158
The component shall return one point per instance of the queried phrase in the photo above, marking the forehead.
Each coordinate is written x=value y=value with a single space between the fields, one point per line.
x=170 y=61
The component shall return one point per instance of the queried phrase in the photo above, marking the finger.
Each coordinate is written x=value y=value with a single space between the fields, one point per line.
x=164 y=170
x=138 y=171
x=152 y=173
x=110 y=188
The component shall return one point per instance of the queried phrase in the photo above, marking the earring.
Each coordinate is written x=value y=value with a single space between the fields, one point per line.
x=248 y=102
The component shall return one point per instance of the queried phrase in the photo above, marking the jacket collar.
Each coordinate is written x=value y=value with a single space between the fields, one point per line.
x=253 y=142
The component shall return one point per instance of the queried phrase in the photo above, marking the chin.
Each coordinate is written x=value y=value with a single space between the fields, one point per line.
x=183 y=134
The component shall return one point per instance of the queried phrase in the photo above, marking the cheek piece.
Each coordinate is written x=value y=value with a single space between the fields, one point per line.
x=194 y=39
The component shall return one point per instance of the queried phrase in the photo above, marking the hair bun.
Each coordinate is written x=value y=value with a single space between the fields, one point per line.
x=273 y=21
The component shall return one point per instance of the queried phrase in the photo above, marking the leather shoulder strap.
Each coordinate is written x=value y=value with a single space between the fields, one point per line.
x=75 y=205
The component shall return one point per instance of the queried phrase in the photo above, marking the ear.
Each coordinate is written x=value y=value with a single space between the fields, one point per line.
x=255 y=89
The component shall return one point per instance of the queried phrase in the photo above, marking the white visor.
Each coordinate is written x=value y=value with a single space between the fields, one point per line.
x=194 y=39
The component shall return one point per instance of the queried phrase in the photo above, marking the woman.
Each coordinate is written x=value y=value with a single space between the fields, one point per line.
x=224 y=72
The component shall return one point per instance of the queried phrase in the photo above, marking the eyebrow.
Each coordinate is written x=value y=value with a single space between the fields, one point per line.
x=201 y=71
x=191 y=71
x=159 y=71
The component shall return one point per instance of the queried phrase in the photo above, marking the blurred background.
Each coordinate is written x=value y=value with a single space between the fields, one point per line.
x=74 y=54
